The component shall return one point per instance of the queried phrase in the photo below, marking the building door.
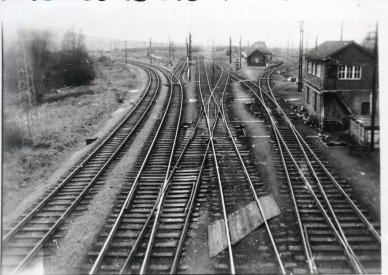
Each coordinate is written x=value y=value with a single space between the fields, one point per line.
x=365 y=108
x=331 y=77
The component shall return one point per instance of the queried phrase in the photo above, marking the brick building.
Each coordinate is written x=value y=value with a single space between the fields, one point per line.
x=337 y=82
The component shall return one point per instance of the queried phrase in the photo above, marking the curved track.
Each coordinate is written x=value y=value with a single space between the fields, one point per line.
x=335 y=232
x=234 y=185
x=22 y=242
x=148 y=232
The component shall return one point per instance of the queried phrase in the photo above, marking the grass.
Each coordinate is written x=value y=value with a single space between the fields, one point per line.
x=64 y=124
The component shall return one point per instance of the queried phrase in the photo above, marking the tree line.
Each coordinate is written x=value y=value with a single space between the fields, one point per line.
x=54 y=66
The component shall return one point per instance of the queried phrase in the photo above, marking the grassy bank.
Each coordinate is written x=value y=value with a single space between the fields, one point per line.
x=64 y=122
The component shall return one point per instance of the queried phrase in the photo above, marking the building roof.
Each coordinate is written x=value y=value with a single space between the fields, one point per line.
x=328 y=48
x=259 y=45
x=365 y=121
x=249 y=51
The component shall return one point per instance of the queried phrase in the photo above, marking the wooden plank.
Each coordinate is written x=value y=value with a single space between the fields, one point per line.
x=270 y=208
x=216 y=238
x=244 y=221
x=241 y=223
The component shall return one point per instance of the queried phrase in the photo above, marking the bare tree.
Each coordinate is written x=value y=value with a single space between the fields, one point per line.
x=77 y=66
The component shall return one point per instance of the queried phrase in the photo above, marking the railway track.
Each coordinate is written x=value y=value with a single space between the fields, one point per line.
x=336 y=234
x=234 y=183
x=192 y=157
x=147 y=230
x=33 y=231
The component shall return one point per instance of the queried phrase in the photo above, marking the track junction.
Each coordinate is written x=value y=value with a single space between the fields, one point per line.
x=194 y=159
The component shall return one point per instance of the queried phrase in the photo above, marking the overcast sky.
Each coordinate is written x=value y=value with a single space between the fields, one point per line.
x=275 y=22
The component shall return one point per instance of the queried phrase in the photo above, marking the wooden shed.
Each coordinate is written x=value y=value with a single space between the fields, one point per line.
x=360 y=130
x=257 y=57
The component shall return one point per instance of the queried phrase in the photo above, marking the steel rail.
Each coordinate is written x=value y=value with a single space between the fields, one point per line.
x=298 y=139
x=230 y=252
x=354 y=262
x=61 y=219
x=165 y=184
x=129 y=197
x=190 y=203
x=310 y=259
x=324 y=195
x=157 y=206
x=327 y=172
x=357 y=264
x=73 y=173
x=247 y=176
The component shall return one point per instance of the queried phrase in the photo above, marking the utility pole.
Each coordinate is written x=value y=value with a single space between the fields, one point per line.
x=212 y=63
x=300 y=74
x=307 y=42
x=27 y=96
x=126 y=53
x=172 y=48
x=288 y=49
x=239 y=58
x=230 y=50
x=374 y=89
x=150 y=51
x=169 y=50
x=190 y=47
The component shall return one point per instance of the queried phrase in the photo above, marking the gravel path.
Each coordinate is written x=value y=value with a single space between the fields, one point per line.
x=83 y=229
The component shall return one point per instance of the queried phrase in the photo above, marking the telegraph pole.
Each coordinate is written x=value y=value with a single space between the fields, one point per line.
x=126 y=53
x=300 y=74
x=239 y=58
x=212 y=63
x=190 y=47
x=187 y=53
x=169 y=50
x=288 y=49
x=150 y=51
x=230 y=50
x=307 y=42
x=374 y=89
x=26 y=86
x=172 y=48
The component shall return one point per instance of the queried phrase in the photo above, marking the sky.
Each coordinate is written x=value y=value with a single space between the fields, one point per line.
x=275 y=22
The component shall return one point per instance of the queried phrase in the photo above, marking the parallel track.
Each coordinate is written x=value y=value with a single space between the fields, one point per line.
x=34 y=230
x=148 y=232
x=238 y=185
x=335 y=231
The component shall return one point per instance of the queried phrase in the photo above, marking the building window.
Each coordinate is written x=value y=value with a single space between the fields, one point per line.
x=318 y=70
x=307 y=95
x=357 y=72
x=315 y=101
x=349 y=72
x=365 y=108
x=309 y=67
x=341 y=72
x=257 y=60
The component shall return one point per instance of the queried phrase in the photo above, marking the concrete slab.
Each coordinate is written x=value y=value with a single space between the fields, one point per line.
x=241 y=223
